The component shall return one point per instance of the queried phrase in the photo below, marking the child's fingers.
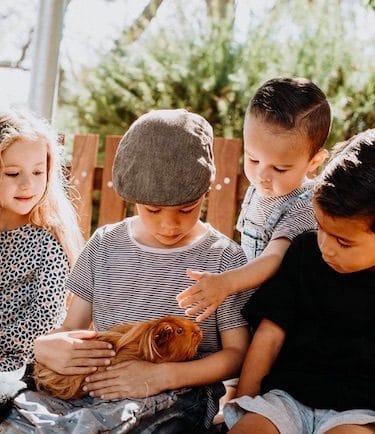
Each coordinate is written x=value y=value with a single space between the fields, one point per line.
x=91 y=345
x=95 y=380
x=187 y=293
x=92 y=355
x=113 y=395
x=197 y=309
x=80 y=370
x=195 y=299
x=82 y=334
x=207 y=313
x=195 y=275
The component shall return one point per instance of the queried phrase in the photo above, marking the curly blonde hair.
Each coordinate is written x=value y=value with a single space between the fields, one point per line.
x=54 y=212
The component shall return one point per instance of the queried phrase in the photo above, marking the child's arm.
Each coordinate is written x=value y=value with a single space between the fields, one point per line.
x=265 y=347
x=211 y=289
x=139 y=379
x=71 y=349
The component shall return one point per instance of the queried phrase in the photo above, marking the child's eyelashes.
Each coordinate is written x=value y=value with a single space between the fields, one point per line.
x=276 y=169
x=342 y=243
x=15 y=174
x=182 y=211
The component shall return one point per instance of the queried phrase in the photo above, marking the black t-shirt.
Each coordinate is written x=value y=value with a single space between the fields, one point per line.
x=328 y=357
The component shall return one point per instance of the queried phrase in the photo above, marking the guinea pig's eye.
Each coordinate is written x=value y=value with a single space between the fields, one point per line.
x=179 y=331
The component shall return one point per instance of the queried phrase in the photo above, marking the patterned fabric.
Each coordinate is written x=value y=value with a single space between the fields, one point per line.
x=33 y=271
x=37 y=412
x=263 y=219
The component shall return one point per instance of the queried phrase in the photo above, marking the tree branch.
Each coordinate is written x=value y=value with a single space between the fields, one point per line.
x=134 y=32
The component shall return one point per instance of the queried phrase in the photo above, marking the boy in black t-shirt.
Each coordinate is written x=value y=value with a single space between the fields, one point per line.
x=311 y=364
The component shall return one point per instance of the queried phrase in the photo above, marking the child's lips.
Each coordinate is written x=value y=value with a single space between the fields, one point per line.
x=24 y=198
x=331 y=264
x=169 y=238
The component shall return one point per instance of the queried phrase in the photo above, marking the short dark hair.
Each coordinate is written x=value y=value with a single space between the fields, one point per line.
x=346 y=187
x=294 y=103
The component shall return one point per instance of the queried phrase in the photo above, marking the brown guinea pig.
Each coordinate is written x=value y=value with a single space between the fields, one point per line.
x=168 y=339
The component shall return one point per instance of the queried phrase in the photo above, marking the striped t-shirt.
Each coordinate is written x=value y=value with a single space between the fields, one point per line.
x=126 y=281
x=297 y=219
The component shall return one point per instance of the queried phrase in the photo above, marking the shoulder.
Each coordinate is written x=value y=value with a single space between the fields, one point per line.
x=301 y=198
x=43 y=236
x=306 y=238
x=222 y=242
x=305 y=244
x=231 y=254
x=112 y=229
x=298 y=212
x=46 y=247
x=110 y=232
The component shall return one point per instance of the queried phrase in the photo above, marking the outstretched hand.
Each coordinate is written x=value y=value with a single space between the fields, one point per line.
x=205 y=296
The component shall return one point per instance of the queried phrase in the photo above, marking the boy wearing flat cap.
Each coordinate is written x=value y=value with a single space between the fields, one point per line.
x=133 y=270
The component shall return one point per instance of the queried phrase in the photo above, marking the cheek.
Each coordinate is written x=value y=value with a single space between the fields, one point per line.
x=191 y=221
x=360 y=258
x=43 y=184
x=249 y=171
x=7 y=188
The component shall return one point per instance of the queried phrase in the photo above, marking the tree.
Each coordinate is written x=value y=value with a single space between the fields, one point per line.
x=197 y=63
x=16 y=45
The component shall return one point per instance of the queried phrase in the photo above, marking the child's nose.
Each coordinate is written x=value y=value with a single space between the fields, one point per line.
x=24 y=181
x=170 y=223
x=326 y=246
x=264 y=174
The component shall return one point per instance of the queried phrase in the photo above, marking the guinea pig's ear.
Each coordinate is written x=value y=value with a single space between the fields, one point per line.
x=163 y=335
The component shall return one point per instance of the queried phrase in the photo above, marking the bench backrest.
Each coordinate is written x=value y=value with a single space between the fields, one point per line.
x=93 y=183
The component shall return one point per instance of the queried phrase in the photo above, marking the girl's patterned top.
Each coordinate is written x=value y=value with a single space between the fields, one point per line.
x=33 y=271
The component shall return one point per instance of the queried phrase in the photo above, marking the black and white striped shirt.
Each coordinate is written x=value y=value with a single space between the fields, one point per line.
x=126 y=281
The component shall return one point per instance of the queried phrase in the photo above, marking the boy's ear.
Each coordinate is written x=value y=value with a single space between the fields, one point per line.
x=318 y=159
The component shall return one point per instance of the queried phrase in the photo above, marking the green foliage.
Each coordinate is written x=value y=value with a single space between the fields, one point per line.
x=201 y=65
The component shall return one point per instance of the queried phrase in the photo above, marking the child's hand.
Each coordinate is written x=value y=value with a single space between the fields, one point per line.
x=205 y=296
x=74 y=352
x=135 y=379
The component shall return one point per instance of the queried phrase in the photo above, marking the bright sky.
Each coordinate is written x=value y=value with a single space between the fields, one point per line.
x=89 y=28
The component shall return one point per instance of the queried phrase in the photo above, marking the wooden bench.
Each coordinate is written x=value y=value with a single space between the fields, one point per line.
x=93 y=189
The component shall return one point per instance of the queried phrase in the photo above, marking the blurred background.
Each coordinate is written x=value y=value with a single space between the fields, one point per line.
x=121 y=58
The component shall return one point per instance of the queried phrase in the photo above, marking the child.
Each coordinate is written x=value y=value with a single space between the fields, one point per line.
x=286 y=125
x=134 y=269
x=310 y=366
x=39 y=236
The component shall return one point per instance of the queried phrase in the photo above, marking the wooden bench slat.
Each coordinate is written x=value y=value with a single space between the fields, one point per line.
x=112 y=207
x=85 y=149
x=222 y=200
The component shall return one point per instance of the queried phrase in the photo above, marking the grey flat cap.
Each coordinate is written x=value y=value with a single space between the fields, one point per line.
x=165 y=159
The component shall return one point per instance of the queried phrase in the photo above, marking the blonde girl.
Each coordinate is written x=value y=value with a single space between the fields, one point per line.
x=39 y=235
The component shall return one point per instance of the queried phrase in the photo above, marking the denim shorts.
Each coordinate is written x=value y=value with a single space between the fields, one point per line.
x=187 y=415
x=290 y=416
